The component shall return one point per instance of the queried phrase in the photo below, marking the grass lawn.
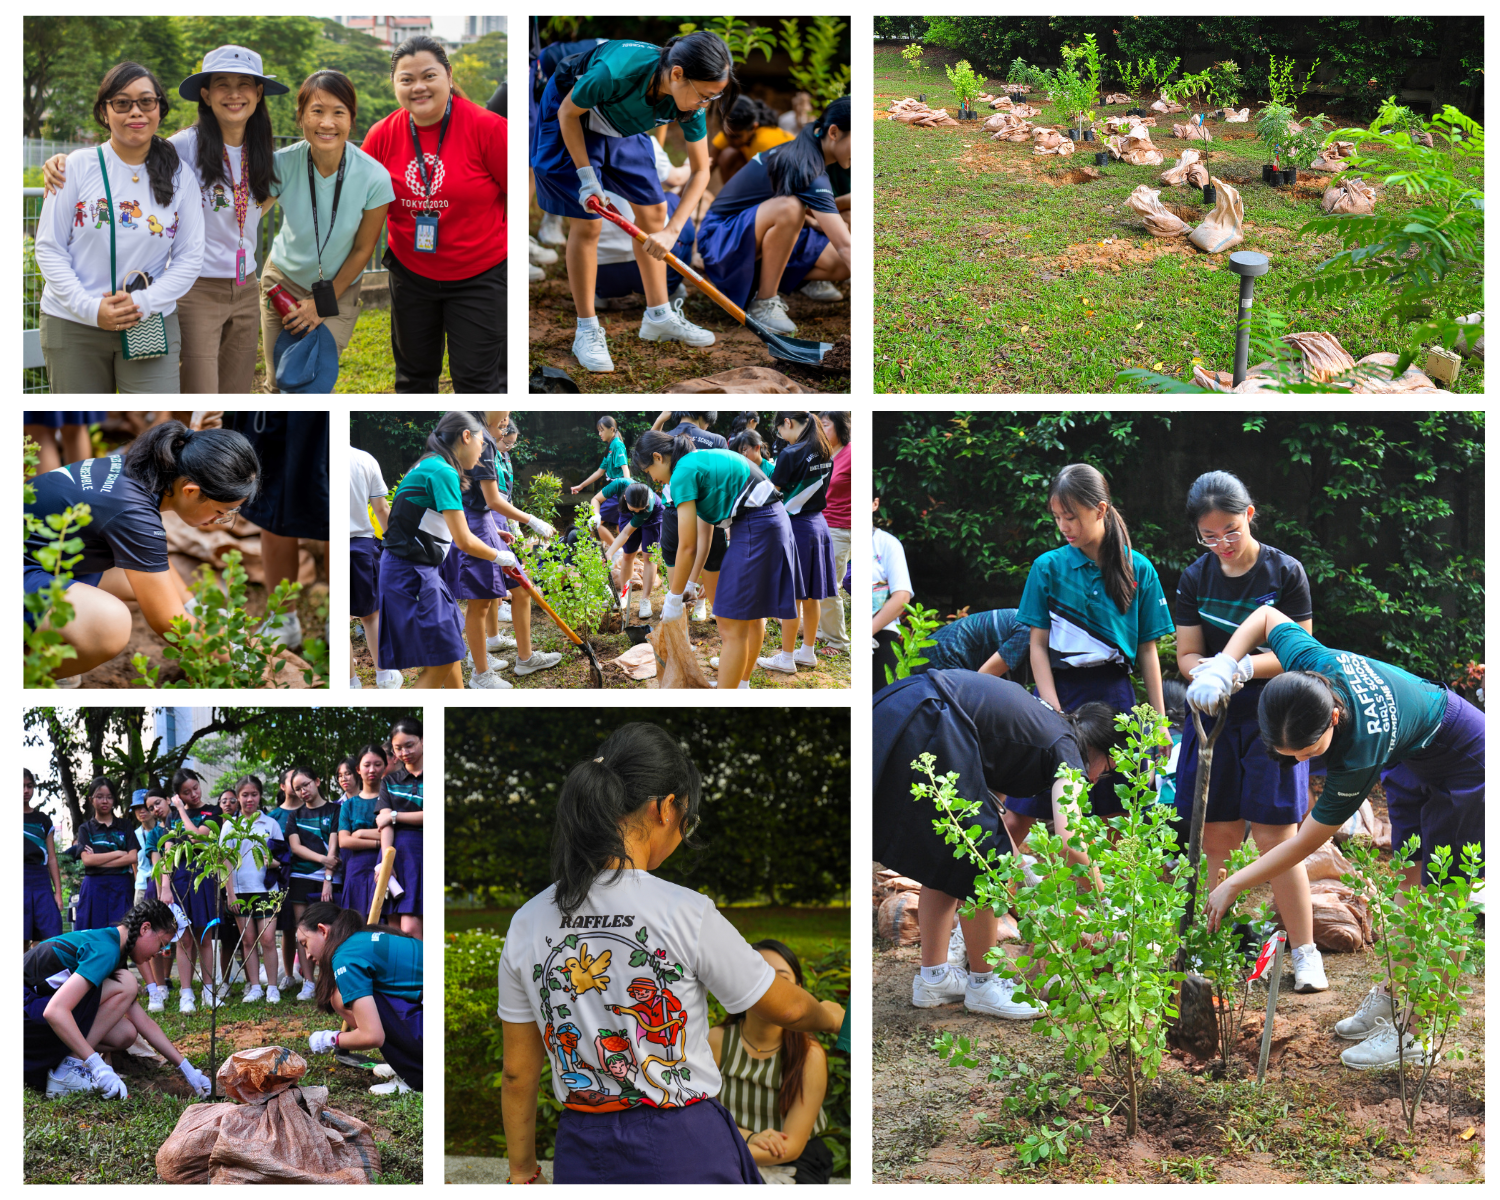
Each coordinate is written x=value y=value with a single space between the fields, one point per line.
x=87 y=1139
x=366 y=366
x=991 y=275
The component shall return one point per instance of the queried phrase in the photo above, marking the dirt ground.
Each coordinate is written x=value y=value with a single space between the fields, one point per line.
x=1316 y=1120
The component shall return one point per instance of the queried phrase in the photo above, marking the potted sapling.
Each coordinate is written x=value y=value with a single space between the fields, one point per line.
x=967 y=86
x=1018 y=75
x=1086 y=123
x=1301 y=148
x=1271 y=127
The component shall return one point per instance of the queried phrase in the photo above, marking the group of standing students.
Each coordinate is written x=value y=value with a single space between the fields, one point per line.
x=315 y=884
x=147 y=244
x=1243 y=624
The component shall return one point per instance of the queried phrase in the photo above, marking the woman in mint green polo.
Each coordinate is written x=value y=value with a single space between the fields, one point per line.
x=333 y=198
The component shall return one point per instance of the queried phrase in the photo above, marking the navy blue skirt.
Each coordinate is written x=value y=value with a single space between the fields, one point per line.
x=56 y=420
x=624 y=165
x=420 y=624
x=698 y=1143
x=617 y=516
x=1110 y=683
x=40 y=917
x=814 y=557
x=359 y=880
x=200 y=903
x=759 y=575
x=103 y=901
x=408 y=870
x=470 y=578
x=1245 y=783
x=402 y=1022
x=364 y=576
x=728 y=250
x=1438 y=793
x=42 y=1049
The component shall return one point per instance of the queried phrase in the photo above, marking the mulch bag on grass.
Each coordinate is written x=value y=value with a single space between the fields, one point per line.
x=1224 y=227
x=1117 y=98
x=1192 y=132
x=896 y=921
x=1341 y=918
x=1322 y=358
x=746 y=381
x=1014 y=130
x=1335 y=157
x=1162 y=106
x=678 y=664
x=1351 y=198
x=1049 y=141
x=1373 y=375
x=1188 y=170
x=278 y=1133
x=1236 y=118
x=1026 y=110
x=1136 y=149
x=1159 y=222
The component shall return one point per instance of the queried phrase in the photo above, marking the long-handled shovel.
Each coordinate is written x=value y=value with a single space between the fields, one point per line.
x=382 y=881
x=517 y=575
x=789 y=349
x=1196 y=1029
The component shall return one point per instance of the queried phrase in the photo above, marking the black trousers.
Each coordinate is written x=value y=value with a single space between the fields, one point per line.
x=467 y=314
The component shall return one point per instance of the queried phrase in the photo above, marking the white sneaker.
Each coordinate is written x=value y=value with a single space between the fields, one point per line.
x=68 y=1076
x=996 y=997
x=714 y=662
x=286 y=632
x=550 y=232
x=1381 y=1050
x=643 y=610
x=821 y=289
x=253 y=993
x=591 y=349
x=700 y=610
x=499 y=642
x=537 y=662
x=772 y=314
x=945 y=991
x=488 y=679
x=388 y=680
x=504 y=614
x=158 y=999
x=1375 y=1009
x=273 y=994
x=394 y=1088
x=804 y=656
x=781 y=661
x=538 y=254
x=534 y=273
x=355 y=685
x=186 y=1003
x=958 y=951
x=1307 y=967
x=284 y=981
x=676 y=328
x=307 y=991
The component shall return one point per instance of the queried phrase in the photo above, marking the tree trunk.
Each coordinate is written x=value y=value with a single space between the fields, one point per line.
x=60 y=760
x=1130 y=1112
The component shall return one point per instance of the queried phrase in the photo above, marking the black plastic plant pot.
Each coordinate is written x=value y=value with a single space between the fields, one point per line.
x=1275 y=179
x=1088 y=135
x=1209 y=195
x=1265 y=172
x=1101 y=159
x=922 y=96
x=1075 y=135
x=1018 y=97
x=1289 y=175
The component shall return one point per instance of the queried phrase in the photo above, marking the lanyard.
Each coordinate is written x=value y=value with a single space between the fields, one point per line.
x=241 y=189
x=416 y=145
x=313 y=194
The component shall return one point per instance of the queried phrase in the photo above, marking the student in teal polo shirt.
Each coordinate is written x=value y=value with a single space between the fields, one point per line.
x=759 y=576
x=399 y=816
x=636 y=511
x=359 y=838
x=591 y=134
x=615 y=464
x=1095 y=608
x=370 y=976
x=1362 y=716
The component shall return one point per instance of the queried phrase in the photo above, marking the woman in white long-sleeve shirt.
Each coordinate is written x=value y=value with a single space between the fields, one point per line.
x=157 y=219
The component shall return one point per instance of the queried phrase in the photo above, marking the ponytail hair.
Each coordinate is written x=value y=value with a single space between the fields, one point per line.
x=607 y=422
x=794 y=165
x=220 y=461
x=162 y=159
x=150 y=911
x=637 y=495
x=1296 y=709
x=703 y=56
x=1216 y=491
x=654 y=442
x=742 y=420
x=1093 y=726
x=637 y=764
x=341 y=922
x=1081 y=486
x=812 y=433
x=440 y=441
x=746 y=114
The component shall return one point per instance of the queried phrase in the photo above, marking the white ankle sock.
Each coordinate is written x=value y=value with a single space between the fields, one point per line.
x=980 y=978
x=588 y=322
x=658 y=312
x=745 y=683
x=935 y=974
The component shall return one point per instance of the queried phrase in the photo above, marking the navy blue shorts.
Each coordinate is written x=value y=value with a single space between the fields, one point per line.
x=716 y=550
x=614 y=515
x=1078 y=685
x=364 y=576
x=624 y=165
x=402 y=1022
x=1246 y=783
x=694 y=1143
x=42 y=1049
x=1438 y=794
x=56 y=420
x=35 y=579
x=729 y=262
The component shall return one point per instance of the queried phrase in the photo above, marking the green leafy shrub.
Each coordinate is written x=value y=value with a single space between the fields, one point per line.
x=1272 y=126
x=1282 y=81
x=1302 y=147
x=48 y=609
x=917 y=623
x=965 y=83
x=578 y=588
x=815 y=54
x=543 y=496
x=1224 y=83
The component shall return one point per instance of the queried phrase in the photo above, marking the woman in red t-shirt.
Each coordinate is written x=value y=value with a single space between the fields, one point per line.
x=446 y=229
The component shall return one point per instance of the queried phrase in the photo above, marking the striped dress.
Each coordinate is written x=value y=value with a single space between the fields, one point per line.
x=751 y=1087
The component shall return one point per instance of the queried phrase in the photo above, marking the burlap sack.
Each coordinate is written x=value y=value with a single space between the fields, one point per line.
x=1322 y=356
x=678 y=664
x=281 y=1133
x=1352 y=198
x=1341 y=918
x=1327 y=861
x=1162 y=106
x=1236 y=118
x=1050 y=141
x=1159 y=222
x=1374 y=377
x=1016 y=130
x=1025 y=110
x=740 y=381
x=998 y=121
x=1224 y=227
x=1187 y=170
x=1192 y=132
x=1136 y=149
x=1117 y=98
x=1002 y=102
x=897 y=919
x=1335 y=157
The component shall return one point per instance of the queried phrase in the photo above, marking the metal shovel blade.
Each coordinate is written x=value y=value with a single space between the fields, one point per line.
x=789 y=349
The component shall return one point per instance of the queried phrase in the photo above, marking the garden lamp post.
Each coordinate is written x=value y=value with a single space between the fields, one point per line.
x=1247 y=264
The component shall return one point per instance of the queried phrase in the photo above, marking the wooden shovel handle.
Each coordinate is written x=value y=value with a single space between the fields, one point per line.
x=382 y=881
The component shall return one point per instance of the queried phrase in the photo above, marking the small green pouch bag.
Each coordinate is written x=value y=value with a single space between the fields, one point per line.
x=148 y=338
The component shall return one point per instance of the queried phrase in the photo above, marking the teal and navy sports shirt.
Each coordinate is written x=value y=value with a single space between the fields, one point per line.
x=313 y=827
x=96 y=954
x=402 y=791
x=1065 y=595
x=99 y=838
x=369 y=962
x=357 y=812
x=38 y=826
x=1209 y=598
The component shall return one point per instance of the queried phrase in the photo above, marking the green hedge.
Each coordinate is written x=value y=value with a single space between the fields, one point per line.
x=474 y=1050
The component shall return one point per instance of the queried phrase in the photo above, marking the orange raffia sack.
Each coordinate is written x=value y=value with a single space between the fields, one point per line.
x=1192 y=132
x=1352 y=198
x=1187 y=170
x=679 y=664
x=1224 y=227
x=1159 y=222
x=278 y=1133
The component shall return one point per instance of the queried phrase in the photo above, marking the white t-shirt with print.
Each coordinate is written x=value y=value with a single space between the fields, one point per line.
x=250 y=879
x=888 y=573
x=365 y=483
x=221 y=228
x=620 y=990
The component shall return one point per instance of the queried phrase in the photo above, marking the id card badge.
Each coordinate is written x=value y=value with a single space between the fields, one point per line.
x=426 y=233
x=239 y=267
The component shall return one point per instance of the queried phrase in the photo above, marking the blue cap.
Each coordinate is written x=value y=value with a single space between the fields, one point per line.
x=306 y=363
x=138 y=797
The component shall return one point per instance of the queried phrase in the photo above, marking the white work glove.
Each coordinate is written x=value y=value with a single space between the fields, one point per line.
x=105 y=1078
x=506 y=559
x=1216 y=679
x=774 y=1175
x=196 y=1079
x=593 y=518
x=540 y=526
x=321 y=1041
x=692 y=591
x=588 y=185
x=671 y=607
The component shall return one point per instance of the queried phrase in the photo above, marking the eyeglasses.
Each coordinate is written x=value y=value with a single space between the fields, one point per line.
x=226 y=518
x=702 y=99
x=1229 y=539
x=123 y=105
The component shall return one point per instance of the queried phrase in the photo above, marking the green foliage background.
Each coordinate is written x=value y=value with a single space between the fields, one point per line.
x=1385 y=511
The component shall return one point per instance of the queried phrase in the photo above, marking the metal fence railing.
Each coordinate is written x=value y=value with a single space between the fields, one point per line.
x=36 y=151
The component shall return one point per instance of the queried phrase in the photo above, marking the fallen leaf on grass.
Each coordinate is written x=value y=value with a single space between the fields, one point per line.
x=1138 y=324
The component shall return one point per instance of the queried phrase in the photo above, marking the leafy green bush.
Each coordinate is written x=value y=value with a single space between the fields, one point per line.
x=578 y=587
x=816 y=68
x=1282 y=81
x=543 y=496
x=965 y=83
x=48 y=609
x=917 y=622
